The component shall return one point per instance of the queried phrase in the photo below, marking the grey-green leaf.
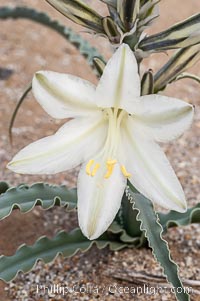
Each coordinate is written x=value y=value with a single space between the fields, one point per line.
x=181 y=35
x=173 y=218
x=27 y=197
x=153 y=231
x=79 y=12
x=47 y=249
x=3 y=187
x=127 y=218
x=177 y=64
x=130 y=240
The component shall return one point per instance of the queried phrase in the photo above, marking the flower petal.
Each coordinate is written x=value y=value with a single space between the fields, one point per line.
x=166 y=118
x=151 y=172
x=63 y=95
x=73 y=143
x=99 y=200
x=120 y=82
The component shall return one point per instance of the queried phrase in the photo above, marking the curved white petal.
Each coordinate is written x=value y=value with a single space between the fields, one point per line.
x=151 y=172
x=63 y=95
x=166 y=118
x=120 y=82
x=73 y=143
x=99 y=200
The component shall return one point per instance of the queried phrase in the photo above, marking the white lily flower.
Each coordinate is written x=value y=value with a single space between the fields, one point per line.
x=113 y=135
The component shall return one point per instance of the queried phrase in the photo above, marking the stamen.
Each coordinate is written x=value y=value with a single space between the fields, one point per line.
x=111 y=162
x=124 y=171
x=110 y=167
x=95 y=169
x=88 y=166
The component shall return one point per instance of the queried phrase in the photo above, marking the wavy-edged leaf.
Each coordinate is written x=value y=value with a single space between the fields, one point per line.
x=173 y=218
x=3 y=187
x=46 y=249
x=126 y=218
x=26 y=197
x=81 y=44
x=178 y=63
x=180 y=35
x=80 y=13
x=153 y=231
x=117 y=229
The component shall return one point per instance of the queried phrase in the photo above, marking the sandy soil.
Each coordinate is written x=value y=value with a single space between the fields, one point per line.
x=27 y=47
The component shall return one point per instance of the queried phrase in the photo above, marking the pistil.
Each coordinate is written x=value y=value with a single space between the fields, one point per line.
x=115 y=117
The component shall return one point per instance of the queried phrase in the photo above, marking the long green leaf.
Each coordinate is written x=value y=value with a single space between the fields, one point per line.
x=81 y=44
x=126 y=217
x=47 y=249
x=153 y=231
x=26 y=197
x=130 y=240
x=180 y=35
x=177 y=64
x=80 y=13
x=173 y=218
x=128 y=222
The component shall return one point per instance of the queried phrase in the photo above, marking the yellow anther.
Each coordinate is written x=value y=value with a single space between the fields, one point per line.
x=110 y=167
x=88 y=166
x=109 y=171
x=95 y=169
x=111 y=162
x=124 y=171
